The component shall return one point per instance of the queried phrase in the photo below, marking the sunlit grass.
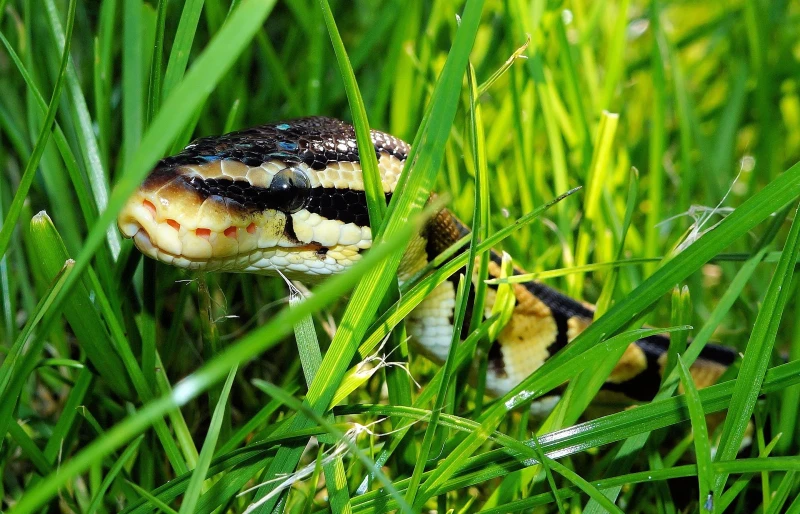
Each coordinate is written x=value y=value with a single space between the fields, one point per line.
x=112 y=366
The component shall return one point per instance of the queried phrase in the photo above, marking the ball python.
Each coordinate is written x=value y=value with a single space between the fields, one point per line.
x=288 y=198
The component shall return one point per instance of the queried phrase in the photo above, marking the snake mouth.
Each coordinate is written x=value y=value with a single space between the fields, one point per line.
x=205 y=235
x=182 y=216
x=182 y=231
x=244 y=261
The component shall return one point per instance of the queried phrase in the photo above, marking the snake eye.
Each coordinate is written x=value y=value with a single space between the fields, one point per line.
x=290 y=188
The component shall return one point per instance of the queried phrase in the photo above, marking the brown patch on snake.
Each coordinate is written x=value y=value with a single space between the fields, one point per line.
x=576 y=325
x=632 y=363
x=441 y=232
x=525 y=339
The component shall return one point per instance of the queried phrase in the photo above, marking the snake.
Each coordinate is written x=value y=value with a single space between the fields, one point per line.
x=288 y=198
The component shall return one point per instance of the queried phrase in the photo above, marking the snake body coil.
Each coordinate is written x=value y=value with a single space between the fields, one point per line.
x=289 y=197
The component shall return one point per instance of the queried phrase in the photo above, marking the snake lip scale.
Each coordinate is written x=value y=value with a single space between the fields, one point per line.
x=288 y=198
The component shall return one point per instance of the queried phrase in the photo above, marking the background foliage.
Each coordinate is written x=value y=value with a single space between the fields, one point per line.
x=701 y=98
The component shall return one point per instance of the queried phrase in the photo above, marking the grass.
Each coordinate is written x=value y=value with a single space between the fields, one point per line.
x=113 y=369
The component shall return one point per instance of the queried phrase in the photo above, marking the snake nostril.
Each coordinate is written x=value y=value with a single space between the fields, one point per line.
x=251 y=228
x=174 y=224
x=150 y=207
x=231 y=232
x=205 y=233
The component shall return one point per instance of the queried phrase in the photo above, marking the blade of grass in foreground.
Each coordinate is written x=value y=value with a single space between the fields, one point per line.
x=658 y=139
x=702 y=446
x=430 y=431
x=41 y=141
x=376 y=201
x=200 y=472
x=310 y=358
x=132 y=77
x=414 y=185
x=98 y=181
x=759 y=351
x=480 y=227
x=182 y=46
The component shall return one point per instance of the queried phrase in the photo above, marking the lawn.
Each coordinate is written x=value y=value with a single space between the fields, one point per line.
x=131 y=386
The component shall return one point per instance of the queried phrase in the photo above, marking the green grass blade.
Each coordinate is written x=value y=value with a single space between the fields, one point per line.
x=132 y=80
x=702 y=446
x=126 y=456
x=97 y=178
x=182 y=45
x=758 y=352
x=655 y=190
x=15 y=209
x=310 y=358
x=481 y=229
x=154 y=90
x=200 y=472
x=414 y=185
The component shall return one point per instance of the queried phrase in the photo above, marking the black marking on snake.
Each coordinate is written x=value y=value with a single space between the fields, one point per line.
x=643 y=386
x=496 y=361
x=288 y=230
x=316 y=141
x=345 y=205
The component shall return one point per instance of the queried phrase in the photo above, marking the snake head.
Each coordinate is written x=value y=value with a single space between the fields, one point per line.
x=264 y=200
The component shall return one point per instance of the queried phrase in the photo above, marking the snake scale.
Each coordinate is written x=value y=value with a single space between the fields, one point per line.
x=289 y=198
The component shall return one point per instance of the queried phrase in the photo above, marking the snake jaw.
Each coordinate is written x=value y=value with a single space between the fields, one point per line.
x=173 y=225
x=170 y=221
